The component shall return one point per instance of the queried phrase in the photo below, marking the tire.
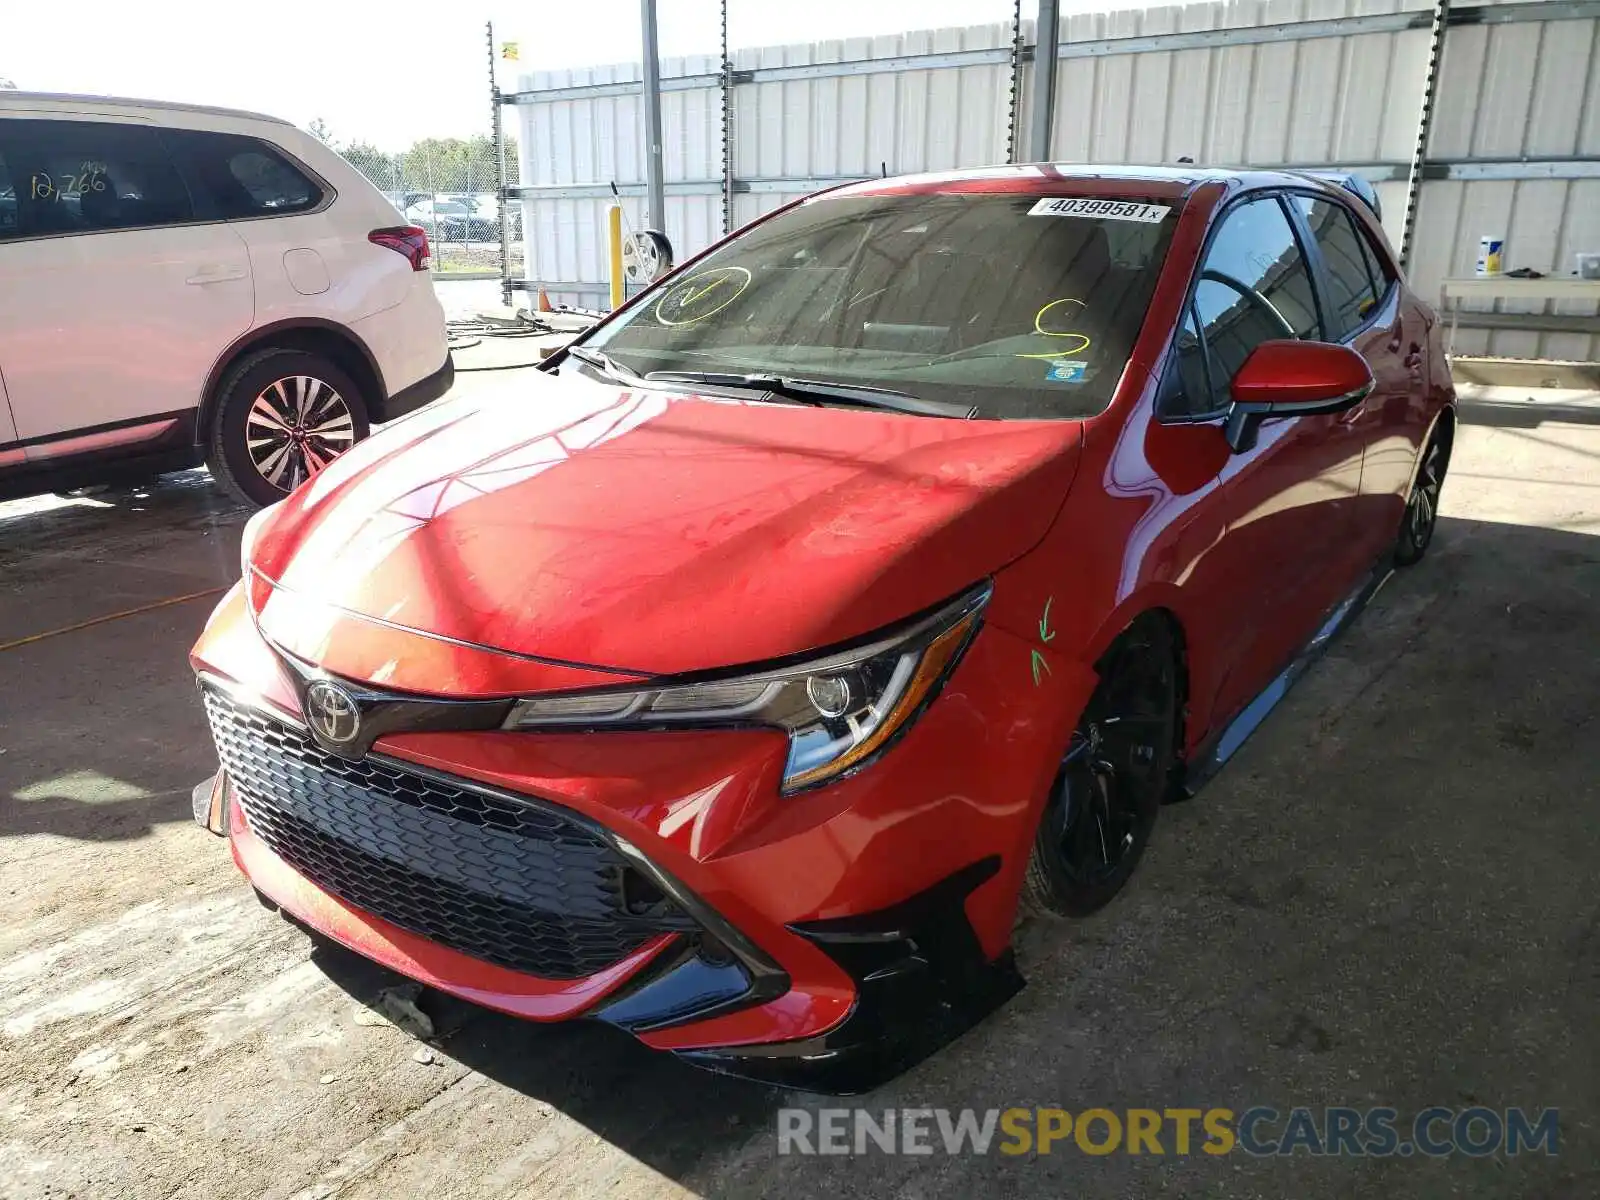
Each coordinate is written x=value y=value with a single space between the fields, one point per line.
x=1119 y=766
x=318 y=409
x=1421 y=516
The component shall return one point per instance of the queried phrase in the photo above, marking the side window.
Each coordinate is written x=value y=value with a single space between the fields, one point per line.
x=8 y=201
x=1377 y=265
x=235 y=177
x=84 y=176
x=1254 y=286
x=1354 y=292
x=1186 y=390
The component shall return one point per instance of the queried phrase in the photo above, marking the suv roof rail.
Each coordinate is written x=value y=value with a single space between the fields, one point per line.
x=17 y=99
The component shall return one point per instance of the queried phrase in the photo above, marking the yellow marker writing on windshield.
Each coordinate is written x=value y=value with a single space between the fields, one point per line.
x=695 y=289
x=692 y=297
x=1082 y=342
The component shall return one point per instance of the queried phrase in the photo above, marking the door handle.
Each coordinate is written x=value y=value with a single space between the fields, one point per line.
x=216 y=274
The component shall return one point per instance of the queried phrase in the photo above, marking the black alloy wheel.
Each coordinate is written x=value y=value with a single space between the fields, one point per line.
x=1422 y=505
x=1117 y=770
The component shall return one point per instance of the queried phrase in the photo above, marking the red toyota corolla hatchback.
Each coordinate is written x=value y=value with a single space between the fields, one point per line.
x=738 y=677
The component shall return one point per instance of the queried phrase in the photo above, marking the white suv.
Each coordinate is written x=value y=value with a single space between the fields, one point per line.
x=182 y=284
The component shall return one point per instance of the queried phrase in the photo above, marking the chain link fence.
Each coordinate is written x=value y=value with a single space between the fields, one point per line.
x=450 y=187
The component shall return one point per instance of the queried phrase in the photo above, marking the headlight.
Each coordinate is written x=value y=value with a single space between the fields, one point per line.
x=839 y=710
x=247 y=537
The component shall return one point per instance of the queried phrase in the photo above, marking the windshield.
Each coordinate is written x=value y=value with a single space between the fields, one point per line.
x=1018 y=306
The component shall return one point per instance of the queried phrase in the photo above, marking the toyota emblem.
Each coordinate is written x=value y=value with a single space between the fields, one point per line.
x=332 y=713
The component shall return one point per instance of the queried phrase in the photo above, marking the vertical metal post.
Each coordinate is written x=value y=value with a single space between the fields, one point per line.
x=1016 y=81
x=1044 y=78
x=498 y=125
x=656 y=188
x=619 y=291
x=727 y=126
x=1441 y=20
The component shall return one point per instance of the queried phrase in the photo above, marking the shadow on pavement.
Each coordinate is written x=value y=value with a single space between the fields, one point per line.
x=600 y=1077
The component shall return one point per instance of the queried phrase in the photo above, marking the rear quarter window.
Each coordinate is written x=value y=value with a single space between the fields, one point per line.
x=1355 y=287
x=235 y=177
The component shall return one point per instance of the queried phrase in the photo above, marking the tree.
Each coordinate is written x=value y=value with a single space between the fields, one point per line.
x=433 y=165
x=382 y=169
x=319 y=130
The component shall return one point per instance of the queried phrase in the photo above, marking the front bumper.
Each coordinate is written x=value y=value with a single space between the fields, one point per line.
x=823 y=941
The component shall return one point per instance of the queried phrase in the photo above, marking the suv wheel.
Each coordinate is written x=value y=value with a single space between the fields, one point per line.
x=282 y=416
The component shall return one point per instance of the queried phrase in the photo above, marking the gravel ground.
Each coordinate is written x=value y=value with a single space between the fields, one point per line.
x=1387 y=898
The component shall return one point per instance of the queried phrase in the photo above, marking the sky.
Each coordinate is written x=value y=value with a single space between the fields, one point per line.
x=392 y=71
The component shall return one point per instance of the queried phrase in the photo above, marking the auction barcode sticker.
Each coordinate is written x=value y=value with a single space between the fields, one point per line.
x=1115 y=210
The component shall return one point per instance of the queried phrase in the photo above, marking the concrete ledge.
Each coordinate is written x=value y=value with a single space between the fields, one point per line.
x=1526 y=373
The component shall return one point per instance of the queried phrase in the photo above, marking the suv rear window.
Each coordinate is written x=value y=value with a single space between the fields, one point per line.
x=1025 y=307
x=236 y=177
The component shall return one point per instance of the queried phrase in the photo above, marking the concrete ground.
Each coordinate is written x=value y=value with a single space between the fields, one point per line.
x=1387 y=898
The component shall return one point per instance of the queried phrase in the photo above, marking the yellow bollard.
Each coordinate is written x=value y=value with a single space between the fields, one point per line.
x=614 y=232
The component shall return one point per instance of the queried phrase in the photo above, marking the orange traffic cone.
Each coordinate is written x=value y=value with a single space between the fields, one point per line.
x=544 y=302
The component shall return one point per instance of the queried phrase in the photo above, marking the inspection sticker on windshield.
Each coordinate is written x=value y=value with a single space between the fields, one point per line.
x=1067 y=370
x=1115 y=210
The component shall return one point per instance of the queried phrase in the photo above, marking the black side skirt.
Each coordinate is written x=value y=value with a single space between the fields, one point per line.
x=425 y=390
x=1219 y=749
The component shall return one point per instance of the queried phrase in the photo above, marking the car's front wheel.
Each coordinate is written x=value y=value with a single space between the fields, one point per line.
x=282 y=416
x=1117 y=770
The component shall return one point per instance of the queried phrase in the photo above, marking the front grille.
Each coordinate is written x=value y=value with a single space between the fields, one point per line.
x=518 y=885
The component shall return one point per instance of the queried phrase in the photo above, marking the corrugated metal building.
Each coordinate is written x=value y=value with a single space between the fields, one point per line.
x=1249 y=82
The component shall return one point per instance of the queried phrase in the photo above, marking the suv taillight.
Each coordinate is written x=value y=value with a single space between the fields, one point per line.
x=409 y=240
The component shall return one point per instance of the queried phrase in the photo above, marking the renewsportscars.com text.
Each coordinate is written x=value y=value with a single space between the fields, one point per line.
x=1261 y=1131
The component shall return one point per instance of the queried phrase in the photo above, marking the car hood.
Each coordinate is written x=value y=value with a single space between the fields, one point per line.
x=655 y=532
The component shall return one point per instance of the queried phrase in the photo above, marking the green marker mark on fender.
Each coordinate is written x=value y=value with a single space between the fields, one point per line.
x=1036 y=660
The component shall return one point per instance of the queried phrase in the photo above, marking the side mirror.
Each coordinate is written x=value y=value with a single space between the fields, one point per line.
x=1293 y=379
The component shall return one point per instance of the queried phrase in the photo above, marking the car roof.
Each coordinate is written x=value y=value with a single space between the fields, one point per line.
x=1049 y=179
x=16 y=99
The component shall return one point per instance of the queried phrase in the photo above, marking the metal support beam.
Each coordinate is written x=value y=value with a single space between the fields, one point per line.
x=599 y=91
x=602 y=191
x=1576 y=167
x=656 y=217
x=1539 y=10
x=1046 y=33
x=1373 y=172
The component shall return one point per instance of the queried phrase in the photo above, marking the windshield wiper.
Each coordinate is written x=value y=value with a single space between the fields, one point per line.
x=604 y=362
x=819 y=391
